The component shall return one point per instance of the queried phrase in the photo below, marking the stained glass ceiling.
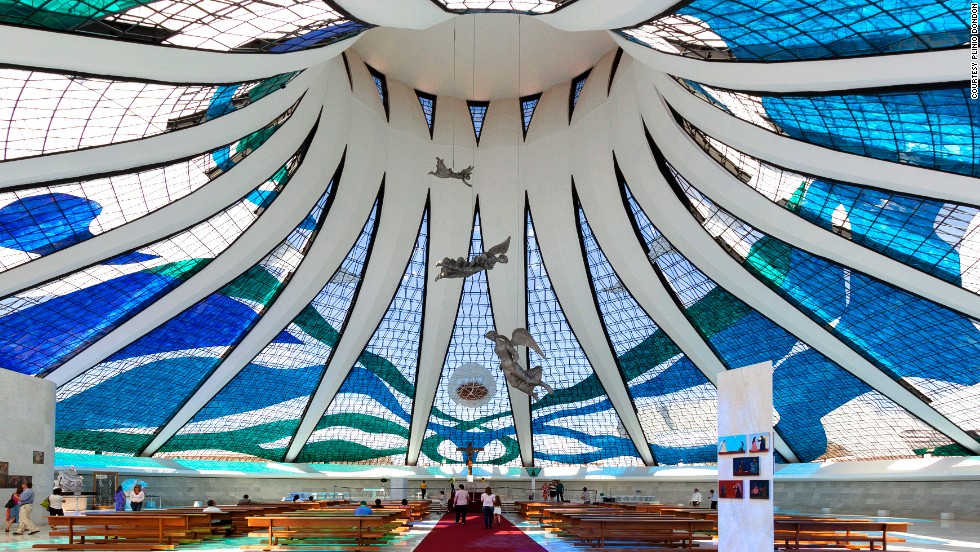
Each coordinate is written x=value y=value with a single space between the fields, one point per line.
x=268 y=287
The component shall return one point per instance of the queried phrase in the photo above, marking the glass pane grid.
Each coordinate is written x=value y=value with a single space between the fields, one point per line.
x=455 y=422
x=43 y=113
x=676 y=404
x=35 y=222
x=577 y=424
x=823 y=411
x=930 y=128
x=784 y=30
x=256 y=414
x=929 y=235
x=167 y=365
x=530 y=7
x=369 y=419
x=928 y=348
x=50 y=323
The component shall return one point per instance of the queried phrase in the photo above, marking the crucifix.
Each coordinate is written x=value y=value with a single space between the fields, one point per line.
x=470 y=453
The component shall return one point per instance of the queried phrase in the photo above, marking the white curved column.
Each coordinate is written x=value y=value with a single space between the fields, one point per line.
x=158 y=149
x=810 y=75
x=812 y=159
x=450 y=225
x=403 y=14
x=295 y=201
x=341 y=229
x=548 y=181
x=744 y=202
x=376 y=145
x=41 y=49
x=680 y=228
x=181 y=214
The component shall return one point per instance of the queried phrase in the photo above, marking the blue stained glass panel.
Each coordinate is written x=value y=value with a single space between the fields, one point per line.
x=675 y=402
x=50 y=323
x=824 y=411
x=926 y=234
x=926 y=345
x=428 y=103
x=478 y=114
x=933 y=128
x=474 y=408
x=577 y=423
x=528 y=105
x=370 y=416
x=166 y=366
x=258 y=411
x=782 y=30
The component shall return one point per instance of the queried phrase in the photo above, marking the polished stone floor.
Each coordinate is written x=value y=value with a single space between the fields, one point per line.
x=923 y=535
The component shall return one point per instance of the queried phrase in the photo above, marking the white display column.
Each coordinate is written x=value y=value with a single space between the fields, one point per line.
x=745 y=459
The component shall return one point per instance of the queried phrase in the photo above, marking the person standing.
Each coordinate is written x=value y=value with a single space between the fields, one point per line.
x=544 y=491
x=712 y=499
x=560 y=490
x=487 y=499
x=26 y=505
x=120 y=499
x=586 y=496
x=442 y=501
x=13 y=509
x=460 y=502
x=696 y=498
x=136 y=498
x=498 y=509
x=553 y=490
x=55 y=503
x=422 y=488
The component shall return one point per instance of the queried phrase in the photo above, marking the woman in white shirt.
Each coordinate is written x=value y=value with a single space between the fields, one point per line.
x=487 y=499
x=136 y=498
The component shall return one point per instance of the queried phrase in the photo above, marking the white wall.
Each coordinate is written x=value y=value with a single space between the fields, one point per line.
x=28 y=426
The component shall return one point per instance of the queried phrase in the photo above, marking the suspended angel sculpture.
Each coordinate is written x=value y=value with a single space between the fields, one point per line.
x=510 y=361
x=461 y=268
x=442 y=171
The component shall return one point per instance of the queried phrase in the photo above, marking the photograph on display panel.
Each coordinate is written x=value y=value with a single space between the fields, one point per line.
x=759 y=488
x=748 y=465
x=730 y=488
x=731 y=444
x=758 y=442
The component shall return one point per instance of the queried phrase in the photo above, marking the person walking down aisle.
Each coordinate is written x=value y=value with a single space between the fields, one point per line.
x=560 y=490
x=136 y=498
x=498 y=509
x=696 y=498
x=422 y=488
x=487 y=499
x=442 y=502
x=13 y=509
x=460 y=501
x=26 y=505
x=55 y=506
x=120 y=499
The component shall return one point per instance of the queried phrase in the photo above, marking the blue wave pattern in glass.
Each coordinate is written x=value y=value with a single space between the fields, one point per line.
x=816 y=400
x=370 y=416
x=47 y=325
x=577 y=423
x=35 y=222
x=784 y=30
x=491 y=425
x=673 y=398
x=258 y=411
x=167 y=365
x=928 y=235
x=935 y=129
x=925 y=345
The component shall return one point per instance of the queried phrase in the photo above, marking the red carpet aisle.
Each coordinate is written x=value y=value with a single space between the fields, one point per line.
x=472 y=537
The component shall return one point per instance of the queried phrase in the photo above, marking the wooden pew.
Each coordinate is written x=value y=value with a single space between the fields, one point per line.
x=797 y=533
x=150 y=531
x=349 y=531
x=676 y=532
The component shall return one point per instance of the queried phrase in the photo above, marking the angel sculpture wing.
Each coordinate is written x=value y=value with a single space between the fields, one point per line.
x=499 y=249
x=521 y=336
x=467 y=172
x=440 y=166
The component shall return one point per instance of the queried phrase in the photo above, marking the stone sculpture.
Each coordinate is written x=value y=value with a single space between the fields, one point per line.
x=70 y=481
x=461 y=268
x=442 y=171
x=510 y=363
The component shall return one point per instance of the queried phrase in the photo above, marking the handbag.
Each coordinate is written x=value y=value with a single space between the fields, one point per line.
x=10 y=503
x=46 y=503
